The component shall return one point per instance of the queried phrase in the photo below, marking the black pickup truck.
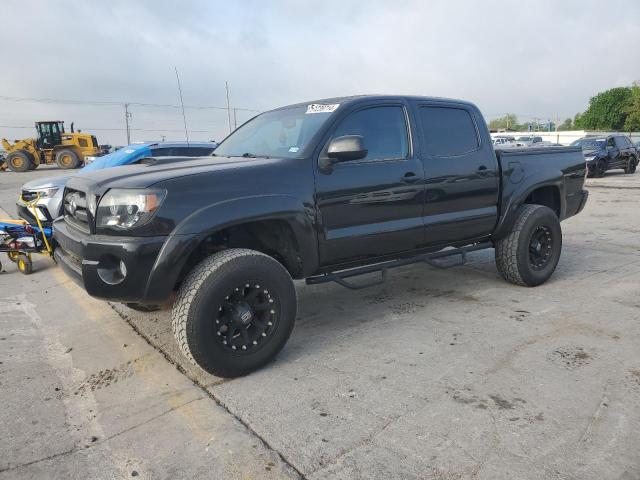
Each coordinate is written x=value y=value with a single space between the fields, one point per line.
x=322 y=191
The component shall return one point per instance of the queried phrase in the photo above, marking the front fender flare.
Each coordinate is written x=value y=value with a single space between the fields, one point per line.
x=189 y=233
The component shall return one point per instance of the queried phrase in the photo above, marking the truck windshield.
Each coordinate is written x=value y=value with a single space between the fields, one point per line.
x=283 y=133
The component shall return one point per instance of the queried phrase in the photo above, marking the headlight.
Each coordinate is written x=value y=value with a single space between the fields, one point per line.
x=589 y=159
x=88 y=160
x=122 y=209
x=47 y=192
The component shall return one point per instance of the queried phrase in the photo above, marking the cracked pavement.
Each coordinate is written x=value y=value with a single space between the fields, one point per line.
x=437 y=374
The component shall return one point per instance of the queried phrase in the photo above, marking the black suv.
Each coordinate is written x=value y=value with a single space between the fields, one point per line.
x=607 y=153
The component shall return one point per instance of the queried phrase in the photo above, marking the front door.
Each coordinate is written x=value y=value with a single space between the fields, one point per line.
x=372 y=206
x=461 y=174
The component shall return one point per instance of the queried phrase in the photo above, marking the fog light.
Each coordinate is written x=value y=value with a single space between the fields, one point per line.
x=111 y=270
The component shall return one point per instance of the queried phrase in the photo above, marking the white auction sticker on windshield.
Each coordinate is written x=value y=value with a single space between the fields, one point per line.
x=322 y=108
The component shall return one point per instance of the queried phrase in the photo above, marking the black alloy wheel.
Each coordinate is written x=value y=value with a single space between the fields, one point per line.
x=247 y=317
x=540 y=247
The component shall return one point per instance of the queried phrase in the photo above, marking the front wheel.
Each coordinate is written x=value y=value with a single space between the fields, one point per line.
x=631 y=165
x=19 y=161
x=67 y=158
x=528 y=255
x=234 y=312
x=600 y=169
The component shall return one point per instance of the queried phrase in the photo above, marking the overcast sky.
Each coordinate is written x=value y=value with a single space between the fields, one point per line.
x=537 y=59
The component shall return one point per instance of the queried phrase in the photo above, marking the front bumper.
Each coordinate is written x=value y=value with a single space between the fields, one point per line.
x=47 y=210
x=91 y=261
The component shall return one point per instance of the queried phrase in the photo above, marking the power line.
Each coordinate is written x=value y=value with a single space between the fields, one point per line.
x=117 y=103
x=118 y=129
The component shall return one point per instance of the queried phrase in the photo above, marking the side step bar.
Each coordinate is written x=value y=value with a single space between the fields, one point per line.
x=430 y=258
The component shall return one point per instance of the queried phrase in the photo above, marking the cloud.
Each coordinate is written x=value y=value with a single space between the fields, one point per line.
x=543 y=59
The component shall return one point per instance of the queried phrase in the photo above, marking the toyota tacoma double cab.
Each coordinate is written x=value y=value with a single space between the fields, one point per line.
x=322 y=191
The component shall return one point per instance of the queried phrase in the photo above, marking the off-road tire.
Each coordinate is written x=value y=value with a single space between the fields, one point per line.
x=67 y=159
x=143 y=307
x=631 y=166
x=19 y=161
x=202 y=293
x=513 y=251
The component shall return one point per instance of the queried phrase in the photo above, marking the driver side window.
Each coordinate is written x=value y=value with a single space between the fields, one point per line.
x=383 y=129
x=610 y=142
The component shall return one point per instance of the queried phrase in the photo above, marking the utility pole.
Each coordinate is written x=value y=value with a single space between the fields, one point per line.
x=226 y=86
x=235 y=118
x=184 y=118
x=127 y=116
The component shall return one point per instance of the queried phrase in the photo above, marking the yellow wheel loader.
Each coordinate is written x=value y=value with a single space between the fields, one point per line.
x=53 y=144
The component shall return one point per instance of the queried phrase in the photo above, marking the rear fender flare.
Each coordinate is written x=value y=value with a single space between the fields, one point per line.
x=517 y=197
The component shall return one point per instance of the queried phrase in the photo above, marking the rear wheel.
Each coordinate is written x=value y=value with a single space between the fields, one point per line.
x=631 y=165
x=234 y=312
x=528 y=255
x=24 y=264
x=19 y=161
x=67 y=158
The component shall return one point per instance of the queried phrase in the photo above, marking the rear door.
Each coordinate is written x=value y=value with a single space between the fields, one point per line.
x=461 y=173
x=624 y=147
x=372 y=206
x=613 y=152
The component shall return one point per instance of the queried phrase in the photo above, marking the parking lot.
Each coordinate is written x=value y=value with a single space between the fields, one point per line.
x=436 y=374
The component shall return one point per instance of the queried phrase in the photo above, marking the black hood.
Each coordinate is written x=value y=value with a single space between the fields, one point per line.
x=146 y=174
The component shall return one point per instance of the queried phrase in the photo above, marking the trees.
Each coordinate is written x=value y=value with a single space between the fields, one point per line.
x=616 y=109
x=566 y=125
x=632 y=122
x=607 y=110
x=508 y=122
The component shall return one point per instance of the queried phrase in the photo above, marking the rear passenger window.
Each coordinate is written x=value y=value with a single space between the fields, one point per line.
x=622 y=142
x=448 y=131
x=383 y=129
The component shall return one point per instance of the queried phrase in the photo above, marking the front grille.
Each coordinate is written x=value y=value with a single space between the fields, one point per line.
x=76 y=212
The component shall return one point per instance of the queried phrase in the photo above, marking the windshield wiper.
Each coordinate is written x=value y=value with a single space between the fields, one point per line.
x=252 y=155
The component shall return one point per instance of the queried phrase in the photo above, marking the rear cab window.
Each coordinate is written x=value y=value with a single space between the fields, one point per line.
x=448 y=131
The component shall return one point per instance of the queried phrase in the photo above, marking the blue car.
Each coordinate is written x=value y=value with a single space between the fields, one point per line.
x=50 y=189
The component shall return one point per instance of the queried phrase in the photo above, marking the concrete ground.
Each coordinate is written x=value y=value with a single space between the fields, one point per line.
x=437 y=374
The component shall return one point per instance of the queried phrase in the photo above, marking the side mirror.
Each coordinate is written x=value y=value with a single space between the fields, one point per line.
x=348 y=147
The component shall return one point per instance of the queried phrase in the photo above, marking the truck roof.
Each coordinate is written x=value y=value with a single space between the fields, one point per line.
x=353 y=99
